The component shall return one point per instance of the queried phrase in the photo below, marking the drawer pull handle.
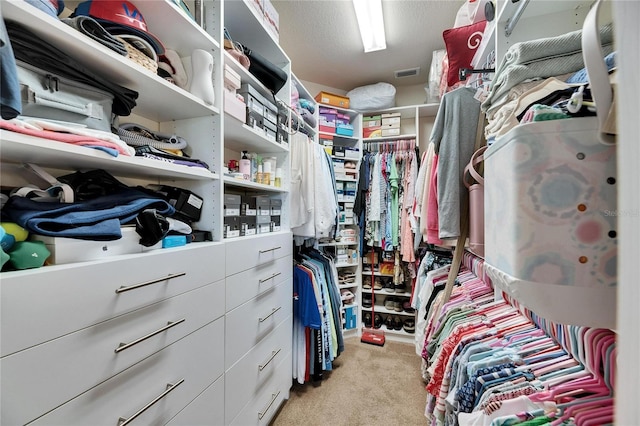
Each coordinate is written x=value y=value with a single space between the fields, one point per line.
x=170 y=324
x=133 y=287
x=271 y=249
x=123 y=421
x=273 y=311
x=273 y=355
x=268 y=278
x=274 y=396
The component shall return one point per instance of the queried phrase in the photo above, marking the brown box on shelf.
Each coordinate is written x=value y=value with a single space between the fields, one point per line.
x=332 y=99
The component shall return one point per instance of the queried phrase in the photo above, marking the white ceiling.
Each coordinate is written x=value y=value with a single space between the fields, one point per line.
x=321 y=37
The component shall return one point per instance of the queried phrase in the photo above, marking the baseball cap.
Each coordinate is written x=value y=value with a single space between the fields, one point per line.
x=119 y=17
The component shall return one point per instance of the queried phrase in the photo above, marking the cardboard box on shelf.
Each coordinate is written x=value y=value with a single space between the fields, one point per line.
x=235 y=106
x=344 y=129
x=231 y=78
x=262 y=205
x=371 y=132
x=391 y=121
x=247 y=225
x=350 y=317
x=231 y=226
x=390 y=131
x=352 y=153
x=332 y=99
x=276 y=207
x=271 y=19
x=231 y=205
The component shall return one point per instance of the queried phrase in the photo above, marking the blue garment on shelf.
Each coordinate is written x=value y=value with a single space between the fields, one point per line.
x=97 y=219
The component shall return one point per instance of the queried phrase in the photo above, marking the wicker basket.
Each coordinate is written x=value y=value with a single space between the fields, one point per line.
x=138 y=57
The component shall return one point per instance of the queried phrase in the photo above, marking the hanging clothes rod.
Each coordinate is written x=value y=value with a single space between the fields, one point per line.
x=388 y=145
x=463 y=73
x=513 y=21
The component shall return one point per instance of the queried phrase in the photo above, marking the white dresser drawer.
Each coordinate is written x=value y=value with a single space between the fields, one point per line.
x=247 y=377
x=193 y=359
x=252 y=282
x=261 y=409
x=206 y=410
x=50 y=374
x=40 y=305
x=246 y=253
x=251 y=322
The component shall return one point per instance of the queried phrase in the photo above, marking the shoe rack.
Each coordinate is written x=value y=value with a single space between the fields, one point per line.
x=389 y=294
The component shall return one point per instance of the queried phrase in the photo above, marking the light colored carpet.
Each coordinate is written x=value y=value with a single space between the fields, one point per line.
x=369 y=385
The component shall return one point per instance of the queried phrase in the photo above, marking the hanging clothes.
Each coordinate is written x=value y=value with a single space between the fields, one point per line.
x=317 y=322
x=491 y=362
x=454 y=136
x=314 y=213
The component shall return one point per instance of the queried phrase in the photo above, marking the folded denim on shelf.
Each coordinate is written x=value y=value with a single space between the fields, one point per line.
x=97 y=219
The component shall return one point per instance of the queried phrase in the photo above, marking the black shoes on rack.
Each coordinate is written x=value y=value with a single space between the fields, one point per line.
x=377 y=321
x=409 y=325
x=366 y=319
x=366 y=300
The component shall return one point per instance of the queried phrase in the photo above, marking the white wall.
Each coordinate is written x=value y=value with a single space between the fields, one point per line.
x=315 y=88
x=627 y=34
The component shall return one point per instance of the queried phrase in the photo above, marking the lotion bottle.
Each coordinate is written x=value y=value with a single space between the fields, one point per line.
x=245 y=166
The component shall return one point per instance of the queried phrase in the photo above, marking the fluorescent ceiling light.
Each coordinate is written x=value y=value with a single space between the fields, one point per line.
x=371 y=23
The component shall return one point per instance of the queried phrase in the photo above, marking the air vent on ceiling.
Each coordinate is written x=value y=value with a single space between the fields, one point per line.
x=407 y=73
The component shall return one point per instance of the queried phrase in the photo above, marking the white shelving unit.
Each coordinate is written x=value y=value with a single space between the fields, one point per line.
x=215 y=286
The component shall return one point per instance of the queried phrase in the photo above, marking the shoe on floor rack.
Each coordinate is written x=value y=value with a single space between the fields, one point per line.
x=377 y=321
x=389 y=287
x=366 y=300
x=389 y=303
x=397 y=305
x=366 y=319
x=406 y=306
x=397 y=323
x=409 y=325
x=366 y=283
x=377 y=285
x=388 y=322
x=347 y=296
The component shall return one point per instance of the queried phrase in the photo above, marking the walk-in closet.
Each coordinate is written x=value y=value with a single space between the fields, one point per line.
x=345 y=212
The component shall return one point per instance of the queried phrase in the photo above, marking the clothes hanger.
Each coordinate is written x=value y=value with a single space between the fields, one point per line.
x=599 y=417
x=570 y=409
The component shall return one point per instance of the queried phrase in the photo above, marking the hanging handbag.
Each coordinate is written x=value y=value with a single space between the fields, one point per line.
x=472 y=172
x=267 y=73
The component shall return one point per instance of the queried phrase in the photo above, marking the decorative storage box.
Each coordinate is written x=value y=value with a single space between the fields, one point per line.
x=344 y=129
x=350 y=317
x=551 y=187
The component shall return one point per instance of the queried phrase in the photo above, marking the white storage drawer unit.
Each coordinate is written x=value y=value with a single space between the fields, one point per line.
x=250 y=283
x=85 y=358
x=186 y=367
x=261 y=409
x=247 y=377
x=251 y=322
x=245 y=254
x=206 y=409
x=42 y=304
